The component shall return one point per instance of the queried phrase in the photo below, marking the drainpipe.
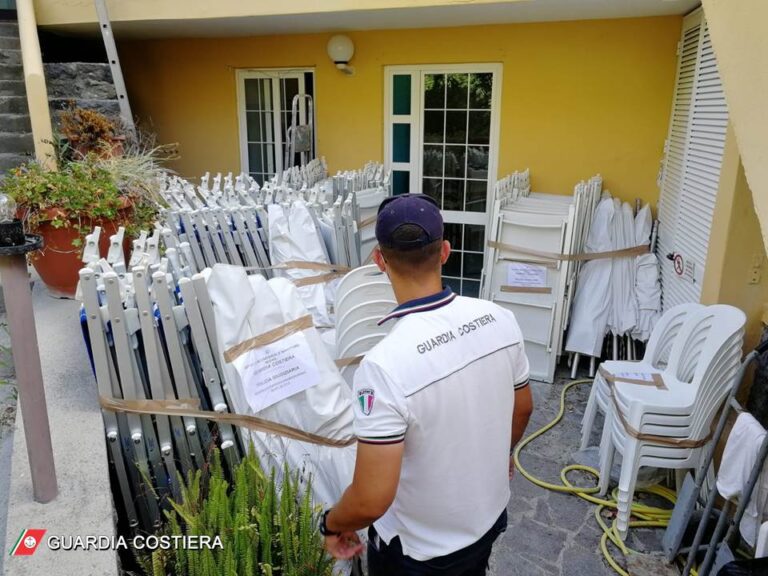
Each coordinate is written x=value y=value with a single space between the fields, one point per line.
x=34 y=80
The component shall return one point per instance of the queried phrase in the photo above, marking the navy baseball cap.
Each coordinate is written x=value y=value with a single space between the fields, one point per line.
x=416 y=209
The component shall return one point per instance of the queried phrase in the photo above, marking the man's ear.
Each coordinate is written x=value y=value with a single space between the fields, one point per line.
x=445 y=251
x=378 y=259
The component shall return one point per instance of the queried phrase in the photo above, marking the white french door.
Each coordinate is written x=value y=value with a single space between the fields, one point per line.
x=264 y=110
x=441 y=139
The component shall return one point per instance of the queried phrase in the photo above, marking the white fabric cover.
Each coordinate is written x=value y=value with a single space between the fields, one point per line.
x=739 y=458
x=248 y=306
x=294 y=236
x=623 y=315
x=592 y=302
x=647 y=285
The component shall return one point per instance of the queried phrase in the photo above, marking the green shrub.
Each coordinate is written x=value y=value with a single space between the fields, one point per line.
x=265 y=529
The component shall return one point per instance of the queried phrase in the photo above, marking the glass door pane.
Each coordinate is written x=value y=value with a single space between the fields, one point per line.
x=456 y=152
x=260 y=133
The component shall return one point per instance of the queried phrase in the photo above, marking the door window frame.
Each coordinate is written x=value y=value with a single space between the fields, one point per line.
x=416 y=120
x=276 y=75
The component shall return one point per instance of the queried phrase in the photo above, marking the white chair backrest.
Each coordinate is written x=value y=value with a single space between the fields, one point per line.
x=357 y=276
x=360 y=329
x=663 y=336
x=368 y=309
x=701 y=337
x=363 y=294
x=706 y=354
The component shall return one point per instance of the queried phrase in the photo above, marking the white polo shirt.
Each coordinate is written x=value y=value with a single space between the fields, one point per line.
x=443 y=382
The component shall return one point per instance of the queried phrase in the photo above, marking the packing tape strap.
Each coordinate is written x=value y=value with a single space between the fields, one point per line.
x=623 y=253
x=303 y=265
x=367 y=222
x=663 y=440
x=320 y=279
x=342 y=362
x=189 y=408
x=658 y=379
x=303 y=323
x=527 y=289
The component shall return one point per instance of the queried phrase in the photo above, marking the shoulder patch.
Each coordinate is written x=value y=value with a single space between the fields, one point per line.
x=366 y=397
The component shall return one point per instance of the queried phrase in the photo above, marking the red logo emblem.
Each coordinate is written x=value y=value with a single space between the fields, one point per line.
x=678 y=264
x=28 y=542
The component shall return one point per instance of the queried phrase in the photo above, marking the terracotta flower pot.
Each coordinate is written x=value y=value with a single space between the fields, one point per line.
x=59 y=262
x=113 y=147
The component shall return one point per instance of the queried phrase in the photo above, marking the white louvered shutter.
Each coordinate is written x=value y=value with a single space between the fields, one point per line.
x=694 y=155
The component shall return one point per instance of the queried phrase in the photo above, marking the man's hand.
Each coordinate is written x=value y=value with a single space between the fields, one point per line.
x=344 y=546
x=511 y=466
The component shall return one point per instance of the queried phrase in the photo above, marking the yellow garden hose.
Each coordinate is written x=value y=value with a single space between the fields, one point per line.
x=647 y=516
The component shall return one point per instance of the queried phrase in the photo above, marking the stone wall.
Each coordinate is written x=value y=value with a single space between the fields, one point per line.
x=88 y=84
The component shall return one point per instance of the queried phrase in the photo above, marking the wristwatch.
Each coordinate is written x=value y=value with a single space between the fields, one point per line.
x=324 y=526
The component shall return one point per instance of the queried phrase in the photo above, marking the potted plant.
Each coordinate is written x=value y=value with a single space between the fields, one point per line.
x=87 y=131
x=93 y=190
x=264 y=525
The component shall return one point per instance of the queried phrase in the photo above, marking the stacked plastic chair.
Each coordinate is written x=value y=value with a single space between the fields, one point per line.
x=655 y=359
x=363 y=298
x=668 y=427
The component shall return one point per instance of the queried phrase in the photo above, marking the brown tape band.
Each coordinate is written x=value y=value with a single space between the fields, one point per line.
x=189 y=408
x=367 y=222
x=663 y=440
x=623 y=253
x=320 y=279
x=269 y=337
x=545 y=263
x=342 y=362
x=527 y=289
x=658 y=379
x=302 y=265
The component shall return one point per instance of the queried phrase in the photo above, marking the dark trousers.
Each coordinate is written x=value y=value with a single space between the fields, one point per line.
x=389 y=560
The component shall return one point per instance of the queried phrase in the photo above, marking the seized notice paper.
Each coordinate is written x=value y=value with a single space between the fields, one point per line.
x=526 y=275
x=276 y=371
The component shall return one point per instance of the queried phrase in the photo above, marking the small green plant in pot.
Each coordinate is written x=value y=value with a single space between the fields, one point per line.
x=266 y=527
x=66 y=205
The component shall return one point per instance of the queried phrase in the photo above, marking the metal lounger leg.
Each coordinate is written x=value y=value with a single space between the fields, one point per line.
x=103 y=381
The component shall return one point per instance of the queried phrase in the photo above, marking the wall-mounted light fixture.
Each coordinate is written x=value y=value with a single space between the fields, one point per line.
x=340 y=50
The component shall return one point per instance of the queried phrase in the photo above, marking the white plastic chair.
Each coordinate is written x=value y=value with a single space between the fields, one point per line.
x=655 y=359
x=358 y=329
x=704 y=362
x=358 y=276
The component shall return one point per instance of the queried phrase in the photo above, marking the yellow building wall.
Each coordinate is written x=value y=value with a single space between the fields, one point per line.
x=736 y=271
x=577 y=97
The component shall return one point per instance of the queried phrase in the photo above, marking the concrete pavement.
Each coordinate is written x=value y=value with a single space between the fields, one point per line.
x=84 y=504
x=550 y=533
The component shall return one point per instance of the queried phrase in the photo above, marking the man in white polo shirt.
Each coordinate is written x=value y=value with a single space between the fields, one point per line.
x=439 y=404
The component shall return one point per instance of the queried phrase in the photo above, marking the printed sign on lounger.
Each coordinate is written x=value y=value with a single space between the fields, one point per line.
x=526 y=275
x=276 y=371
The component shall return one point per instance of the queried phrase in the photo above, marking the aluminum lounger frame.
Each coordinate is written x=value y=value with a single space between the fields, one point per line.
x=142 y=427
x=225 y=226
x=251 y=259
x=554 y=301
x=104 y=383
x=178 y=367
x=193 y=239
x=211 y=375
x=168 y=428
